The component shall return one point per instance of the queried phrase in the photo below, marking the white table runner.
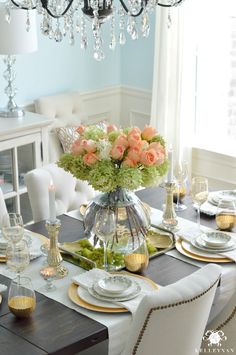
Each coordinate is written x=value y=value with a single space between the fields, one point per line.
x=119 y=324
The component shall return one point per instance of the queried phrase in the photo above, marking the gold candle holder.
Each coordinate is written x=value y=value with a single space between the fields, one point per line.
x=169 y=220
x=226 y=222
x=54 y=257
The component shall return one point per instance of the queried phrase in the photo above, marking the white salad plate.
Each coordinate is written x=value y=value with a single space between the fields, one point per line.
x=133 y=289
x=115 y=284
x=115 y=298
x=216 y=239
x=200 y=244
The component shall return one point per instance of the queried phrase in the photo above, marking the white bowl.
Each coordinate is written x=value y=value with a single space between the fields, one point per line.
x=115 y=284
x=216 y=239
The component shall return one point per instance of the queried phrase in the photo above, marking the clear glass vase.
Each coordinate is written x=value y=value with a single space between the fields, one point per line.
x=131 y=216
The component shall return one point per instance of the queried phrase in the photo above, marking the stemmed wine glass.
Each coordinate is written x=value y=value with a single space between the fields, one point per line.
x=199 y=193
x=180 y=174
x=105 y=228
x=12 y=227
x=18 y=257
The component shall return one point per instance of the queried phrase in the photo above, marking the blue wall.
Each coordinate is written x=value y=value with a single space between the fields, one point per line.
x=137 y=60
x=58 y=67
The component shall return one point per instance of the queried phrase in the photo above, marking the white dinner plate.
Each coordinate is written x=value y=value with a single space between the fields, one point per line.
x=190 y=248
x=215 y=197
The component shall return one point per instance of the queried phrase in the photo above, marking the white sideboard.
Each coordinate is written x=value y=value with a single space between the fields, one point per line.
x=23 y=146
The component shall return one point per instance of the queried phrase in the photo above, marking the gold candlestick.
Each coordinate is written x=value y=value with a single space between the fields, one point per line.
x=169 y=220
x=54 y=256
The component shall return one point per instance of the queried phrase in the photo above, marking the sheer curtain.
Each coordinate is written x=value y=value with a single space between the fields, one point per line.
x=173 y=106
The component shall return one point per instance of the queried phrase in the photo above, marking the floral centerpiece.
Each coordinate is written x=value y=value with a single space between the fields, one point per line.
x=116 y=161
x=108 y=157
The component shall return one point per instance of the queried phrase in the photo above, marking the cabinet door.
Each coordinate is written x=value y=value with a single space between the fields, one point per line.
x=17 y=157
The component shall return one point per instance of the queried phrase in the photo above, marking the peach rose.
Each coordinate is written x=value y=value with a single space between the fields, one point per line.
x=142 y=145
x=134 y=154
x=111 y=128
x=157 y=147
x=148 y=157
x=117 y=152
x=80 y=129
x=77 y=148
x=89 y=145
x=148 y=133
x=90 y=158
x=129 y=163
x=122 y=140
x=134 y=130
x=134 y=139
x=160 y=158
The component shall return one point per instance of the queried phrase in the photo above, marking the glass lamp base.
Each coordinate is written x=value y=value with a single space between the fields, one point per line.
x=16 y=112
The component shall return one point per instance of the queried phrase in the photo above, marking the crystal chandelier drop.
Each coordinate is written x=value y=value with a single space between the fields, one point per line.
x=66 y=17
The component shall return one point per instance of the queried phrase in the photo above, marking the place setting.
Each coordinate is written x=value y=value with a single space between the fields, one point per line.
x=101 y=291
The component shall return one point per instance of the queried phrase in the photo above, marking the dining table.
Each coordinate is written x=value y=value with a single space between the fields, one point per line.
x=60 y=327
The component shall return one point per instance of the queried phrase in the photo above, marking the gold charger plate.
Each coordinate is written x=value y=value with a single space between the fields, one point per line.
x=185 y=252
x=74 y=297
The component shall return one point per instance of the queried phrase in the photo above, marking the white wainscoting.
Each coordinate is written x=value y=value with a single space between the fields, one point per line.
x=128 y=106
x=218 y=168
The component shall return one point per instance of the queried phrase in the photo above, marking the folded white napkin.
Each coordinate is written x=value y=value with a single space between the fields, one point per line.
x=3 y=288
x=188 y=234
x=207 y=208
x=87 y=279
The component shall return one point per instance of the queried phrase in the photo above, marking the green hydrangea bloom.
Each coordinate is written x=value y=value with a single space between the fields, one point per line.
x=74 y=165
x=93 y=132
x=102 y=176
x=113 y=135
x=129 y=178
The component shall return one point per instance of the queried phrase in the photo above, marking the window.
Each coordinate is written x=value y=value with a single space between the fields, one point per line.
x=215 y=74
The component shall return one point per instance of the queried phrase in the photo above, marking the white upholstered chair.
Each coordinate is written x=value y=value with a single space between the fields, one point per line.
x=225 y=325
x=69 y=192
x=3 y=208
x=172 y=321
x=67 y=110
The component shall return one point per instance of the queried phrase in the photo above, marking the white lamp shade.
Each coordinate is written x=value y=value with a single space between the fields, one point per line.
x=14 y=38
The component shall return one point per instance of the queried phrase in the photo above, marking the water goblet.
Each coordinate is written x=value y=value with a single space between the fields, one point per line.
x=21 y=297
x=104 y=229
x=17 y=257
x=12 y=227
x=180 y=174
x=199 y=194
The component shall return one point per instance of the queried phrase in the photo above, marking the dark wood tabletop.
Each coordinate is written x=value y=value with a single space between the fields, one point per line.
x=56 y=329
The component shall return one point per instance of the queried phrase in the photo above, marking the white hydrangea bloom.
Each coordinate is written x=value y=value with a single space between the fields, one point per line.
x=104 y=148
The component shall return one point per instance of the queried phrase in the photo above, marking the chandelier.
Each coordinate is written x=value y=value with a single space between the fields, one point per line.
x=66 y=17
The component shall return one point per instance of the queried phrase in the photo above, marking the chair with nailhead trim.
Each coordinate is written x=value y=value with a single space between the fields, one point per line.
x=3 y=208
x=172 y=321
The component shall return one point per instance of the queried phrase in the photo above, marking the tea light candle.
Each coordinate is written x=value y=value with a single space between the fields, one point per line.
x=170 y=171
x=47 y=272
x=52 y=207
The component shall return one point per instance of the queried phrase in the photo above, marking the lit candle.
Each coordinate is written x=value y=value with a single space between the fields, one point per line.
x=52 y=207
x=170 y=171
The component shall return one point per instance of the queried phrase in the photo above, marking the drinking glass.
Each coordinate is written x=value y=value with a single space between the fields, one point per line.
x=199 y=193
x=180 y=174
x=226 y=215
x=12 y=227
x=18 y=258
x=105 y=228
x=21 y=297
